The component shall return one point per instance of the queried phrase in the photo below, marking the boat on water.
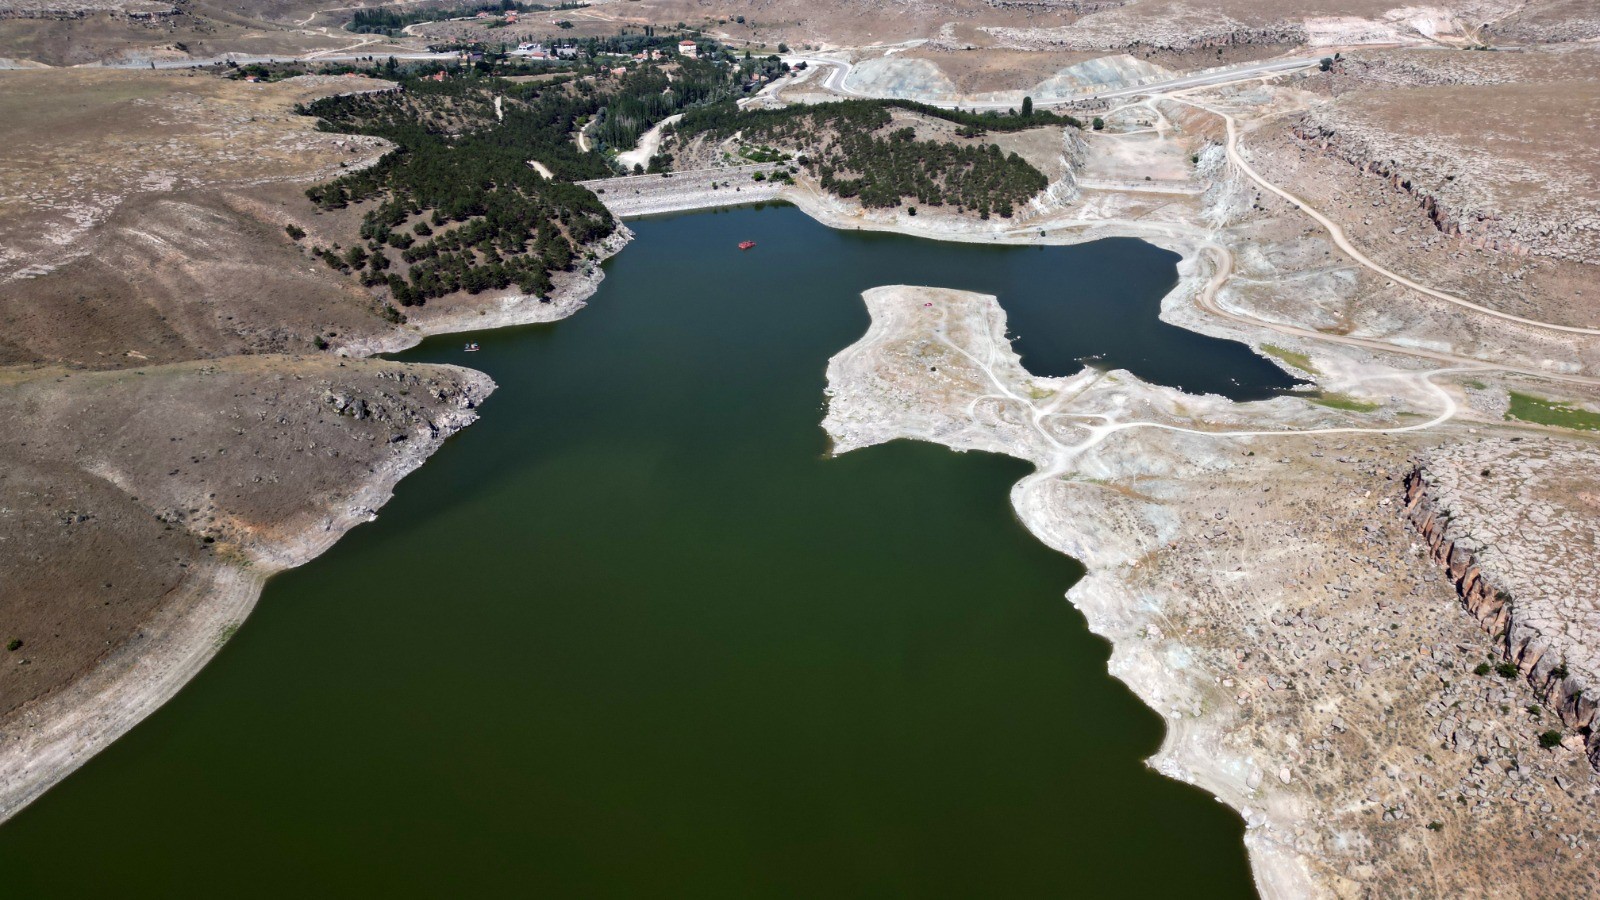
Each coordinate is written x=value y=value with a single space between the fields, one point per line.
x=746 y=245
x=472 y=347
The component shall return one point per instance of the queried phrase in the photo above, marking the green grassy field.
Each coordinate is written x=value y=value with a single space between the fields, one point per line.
x=1345 y=402
x=1293 y=357
x=1538 y=410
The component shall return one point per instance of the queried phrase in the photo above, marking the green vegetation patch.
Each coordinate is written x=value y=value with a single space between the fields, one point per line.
x=391 y=20
x=1294 y=358
x=1540 y=411
x=456 y=207
x=645 y=95
x=849 y=148
x=1346 y=403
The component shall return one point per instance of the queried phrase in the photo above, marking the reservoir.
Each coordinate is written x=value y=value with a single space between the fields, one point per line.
x=636 y=634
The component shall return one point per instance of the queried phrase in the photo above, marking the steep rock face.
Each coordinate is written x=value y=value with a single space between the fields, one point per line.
x=1482 y=230
x=1540 y=658
x=1492 y=192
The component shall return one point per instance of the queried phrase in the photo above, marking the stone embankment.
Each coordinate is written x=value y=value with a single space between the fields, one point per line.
x=644 y=195
x=1540 y=656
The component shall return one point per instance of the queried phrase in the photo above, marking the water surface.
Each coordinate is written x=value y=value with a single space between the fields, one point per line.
x=634 y=634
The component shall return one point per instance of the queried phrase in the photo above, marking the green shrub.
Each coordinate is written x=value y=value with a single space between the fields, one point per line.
x=1482 y=669
x=1506 y=670
x=1550 y=739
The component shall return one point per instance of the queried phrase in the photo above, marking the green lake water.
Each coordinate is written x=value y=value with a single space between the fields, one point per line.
x=635 y=633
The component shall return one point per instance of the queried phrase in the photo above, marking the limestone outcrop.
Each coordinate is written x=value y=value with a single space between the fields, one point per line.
x=1539 y=656
x=1474 y=193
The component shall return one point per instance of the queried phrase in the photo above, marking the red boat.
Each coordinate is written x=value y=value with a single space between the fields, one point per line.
x=746 y=245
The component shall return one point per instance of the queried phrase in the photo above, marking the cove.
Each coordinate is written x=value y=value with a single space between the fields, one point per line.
x=635 y=634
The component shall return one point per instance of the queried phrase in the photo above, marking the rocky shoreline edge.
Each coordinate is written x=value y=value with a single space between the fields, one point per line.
x=52 y=735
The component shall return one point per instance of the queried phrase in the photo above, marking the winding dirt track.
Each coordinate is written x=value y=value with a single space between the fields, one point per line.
x=1343 y=242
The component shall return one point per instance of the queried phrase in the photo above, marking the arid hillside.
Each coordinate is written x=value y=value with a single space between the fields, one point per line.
x=1473 y=168
x=127 y=486
x=150 y=295
x=73 y=32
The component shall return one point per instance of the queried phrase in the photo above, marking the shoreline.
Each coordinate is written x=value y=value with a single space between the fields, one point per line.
x=46 y=739
x=62 y=729
x=1105 y=543
x=67 y=727
x=1106 y=602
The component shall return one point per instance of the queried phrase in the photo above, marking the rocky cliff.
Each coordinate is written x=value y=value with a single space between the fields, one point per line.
x=1489 y=190
x=1540 y=658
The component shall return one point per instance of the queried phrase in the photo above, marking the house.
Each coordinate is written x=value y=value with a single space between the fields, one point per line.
x=689 y=49
x=570 y=51
x=438 y=76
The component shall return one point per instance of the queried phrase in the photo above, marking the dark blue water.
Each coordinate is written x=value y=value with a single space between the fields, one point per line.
x=1064 y=306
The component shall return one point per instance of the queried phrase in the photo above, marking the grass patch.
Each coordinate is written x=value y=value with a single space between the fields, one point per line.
x=1345 y=402
x=1540 y=411
x=1293 y=357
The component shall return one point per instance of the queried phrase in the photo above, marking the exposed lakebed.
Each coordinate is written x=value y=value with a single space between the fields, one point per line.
x=635 y=633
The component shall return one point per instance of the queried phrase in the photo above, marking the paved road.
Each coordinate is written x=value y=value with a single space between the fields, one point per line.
x=839 y=71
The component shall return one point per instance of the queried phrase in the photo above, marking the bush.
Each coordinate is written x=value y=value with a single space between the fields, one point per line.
x=1099 y=124
x=1507 y=670
x=1550 y=739
x=15 y=645
x=1481 y=670
x=294 y=231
